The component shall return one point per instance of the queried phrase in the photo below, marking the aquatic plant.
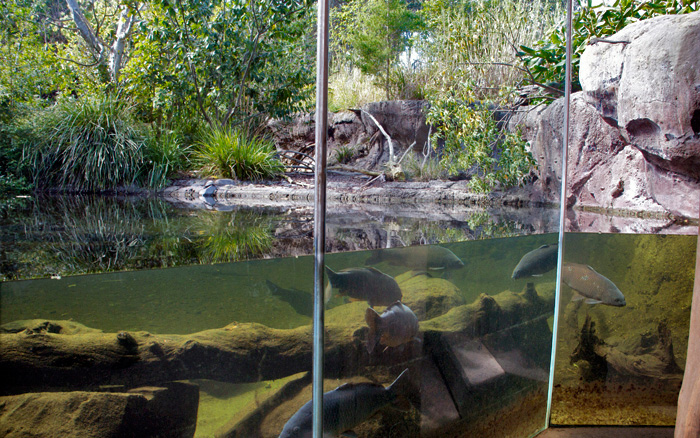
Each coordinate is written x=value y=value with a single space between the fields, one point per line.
x=86 y=145
x=235 y=153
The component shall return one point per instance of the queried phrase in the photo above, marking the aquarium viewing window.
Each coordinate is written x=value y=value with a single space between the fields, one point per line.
x=434 y=305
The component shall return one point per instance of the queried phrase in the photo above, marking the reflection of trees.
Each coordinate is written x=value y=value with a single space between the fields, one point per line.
x=232 y=236
x=80 y=235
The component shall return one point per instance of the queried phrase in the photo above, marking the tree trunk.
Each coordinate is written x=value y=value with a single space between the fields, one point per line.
x=117 y=51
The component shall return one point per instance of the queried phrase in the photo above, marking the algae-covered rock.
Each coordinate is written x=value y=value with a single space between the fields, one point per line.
x=427 y=296
x=44 y=326
x=170 y=411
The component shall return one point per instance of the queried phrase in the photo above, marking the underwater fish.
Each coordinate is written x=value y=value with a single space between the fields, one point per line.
x=417 y=257
x=302 y=302
x=537 y=262
x=397 y=325
x=364 y=284
x=591 y=286
x=345 y=407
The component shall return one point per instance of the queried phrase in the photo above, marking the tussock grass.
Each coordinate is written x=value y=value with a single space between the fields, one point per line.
x=86 y=145
x=233 y=153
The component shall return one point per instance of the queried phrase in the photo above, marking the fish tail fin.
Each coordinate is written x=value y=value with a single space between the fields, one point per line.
x=400 y=389
x=373 y=319
x=272 y=286
x=327 y=292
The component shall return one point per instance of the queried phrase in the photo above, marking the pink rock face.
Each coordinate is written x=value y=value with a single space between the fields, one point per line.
x=649 y=89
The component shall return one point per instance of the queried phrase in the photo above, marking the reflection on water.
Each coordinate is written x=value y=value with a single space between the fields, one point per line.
x=478 y=364
x=59 y=236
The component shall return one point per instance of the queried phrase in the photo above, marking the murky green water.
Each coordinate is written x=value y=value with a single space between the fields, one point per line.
x=480 y=362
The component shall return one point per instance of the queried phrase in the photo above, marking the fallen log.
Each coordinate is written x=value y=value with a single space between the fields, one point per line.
x=37 y=355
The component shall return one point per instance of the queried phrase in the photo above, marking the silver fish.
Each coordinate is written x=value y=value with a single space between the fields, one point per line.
x=536 y=262
x=396 y=326
x=364 y=284
x=345 y=407
x=418 y=257
x=591 y=286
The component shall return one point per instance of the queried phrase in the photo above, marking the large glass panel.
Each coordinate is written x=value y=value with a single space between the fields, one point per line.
x=192 y=316
x=631 y=233
x=620 y=362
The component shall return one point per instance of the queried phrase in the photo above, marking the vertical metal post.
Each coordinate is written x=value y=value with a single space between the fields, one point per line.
x=562 y=207
x=320 y=212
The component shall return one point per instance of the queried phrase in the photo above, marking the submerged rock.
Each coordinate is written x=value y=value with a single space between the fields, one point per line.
x=169 y=410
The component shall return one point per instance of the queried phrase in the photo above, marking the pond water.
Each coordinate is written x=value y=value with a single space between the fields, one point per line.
x=478 y=363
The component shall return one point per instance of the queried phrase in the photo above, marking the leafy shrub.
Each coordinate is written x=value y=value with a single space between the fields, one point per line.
x=473 y=143
x=426 y=169
x=236 y=154
x=344 y=154
x=546 y=60
x=86 y=145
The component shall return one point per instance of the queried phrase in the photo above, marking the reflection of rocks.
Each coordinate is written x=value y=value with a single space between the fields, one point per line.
x=170 y=410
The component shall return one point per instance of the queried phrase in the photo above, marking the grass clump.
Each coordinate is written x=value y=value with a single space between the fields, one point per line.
x=234 y=153
x=165 y=155
x=352 y=89
x=86 y=145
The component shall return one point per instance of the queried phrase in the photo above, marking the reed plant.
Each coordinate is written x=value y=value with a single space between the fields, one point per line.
x=478 y=42
x=350 y=88
x=86 y=145
x=235 y=153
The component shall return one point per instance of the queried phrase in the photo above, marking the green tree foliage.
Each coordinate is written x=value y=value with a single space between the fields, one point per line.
x=371 y=35
x=546 y=60
x=228 y=61
x=471 y=142
x=469 y=56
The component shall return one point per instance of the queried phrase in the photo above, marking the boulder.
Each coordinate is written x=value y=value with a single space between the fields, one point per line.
x=603 y=171
x=648 y=88
x=169 y=411
x=354 y=130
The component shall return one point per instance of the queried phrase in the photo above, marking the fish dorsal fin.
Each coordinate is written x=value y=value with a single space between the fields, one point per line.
x=544 y=246
x=394 y=304
x=373 y=269
x=591 y=268
x=352 y=386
